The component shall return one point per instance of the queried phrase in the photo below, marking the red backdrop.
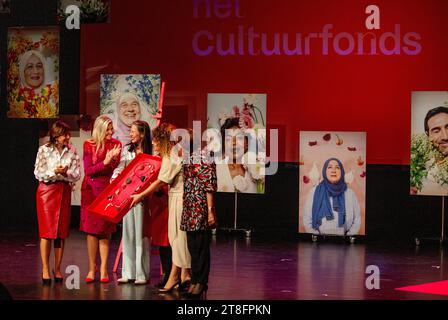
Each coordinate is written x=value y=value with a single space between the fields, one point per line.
x=332 y=92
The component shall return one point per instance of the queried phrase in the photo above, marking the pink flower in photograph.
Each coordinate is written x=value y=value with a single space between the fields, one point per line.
x=236 y=111
x=246 y=121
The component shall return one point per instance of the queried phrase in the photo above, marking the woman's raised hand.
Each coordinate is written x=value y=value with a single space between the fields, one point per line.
x=111 y=154
x=116 y=151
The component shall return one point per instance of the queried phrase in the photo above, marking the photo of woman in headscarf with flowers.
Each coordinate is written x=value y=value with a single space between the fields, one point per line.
x=241 y=168
x=129 y=98
x=33 y=72
x=332 y=190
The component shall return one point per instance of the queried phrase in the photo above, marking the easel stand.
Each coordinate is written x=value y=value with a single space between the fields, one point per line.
x=235 y=229
x=442 y=239
x=316 y=238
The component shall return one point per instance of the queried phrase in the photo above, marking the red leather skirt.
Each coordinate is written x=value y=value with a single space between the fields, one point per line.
x=53 y=209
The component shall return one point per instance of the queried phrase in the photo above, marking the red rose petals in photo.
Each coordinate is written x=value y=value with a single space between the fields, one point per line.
x=339 y=141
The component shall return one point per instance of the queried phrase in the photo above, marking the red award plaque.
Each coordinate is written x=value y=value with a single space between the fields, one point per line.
x=115 y=201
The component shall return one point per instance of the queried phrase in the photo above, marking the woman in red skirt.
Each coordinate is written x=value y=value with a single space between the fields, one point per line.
x=158 y=231
x=57 y=168
x=101 y=157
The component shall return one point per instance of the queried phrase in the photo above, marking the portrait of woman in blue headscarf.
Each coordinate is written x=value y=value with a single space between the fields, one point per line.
x=332 y=208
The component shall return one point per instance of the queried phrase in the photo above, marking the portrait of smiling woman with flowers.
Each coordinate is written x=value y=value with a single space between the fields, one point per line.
x=33 y=72
x=241 y=120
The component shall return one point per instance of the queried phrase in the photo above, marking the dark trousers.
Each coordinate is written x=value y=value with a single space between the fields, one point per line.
x=199 y=247
x=166 y=261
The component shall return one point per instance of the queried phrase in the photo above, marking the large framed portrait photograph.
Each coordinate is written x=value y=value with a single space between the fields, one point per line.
x=332 y=183
x=126 y=98
x=241 y=167
x=429 y=143
x=33 y=72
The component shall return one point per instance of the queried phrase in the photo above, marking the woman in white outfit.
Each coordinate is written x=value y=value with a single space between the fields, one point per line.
x=171 y=174
x=233 y=174
x=135 y=243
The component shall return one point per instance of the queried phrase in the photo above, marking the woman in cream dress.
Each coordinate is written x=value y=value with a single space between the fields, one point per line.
x=171 y=174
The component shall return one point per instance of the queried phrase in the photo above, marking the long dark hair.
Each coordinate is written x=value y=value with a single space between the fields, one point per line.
x=146 y=144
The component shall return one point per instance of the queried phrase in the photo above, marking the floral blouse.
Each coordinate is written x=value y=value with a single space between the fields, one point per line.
x=199 y=178
x=48 y=158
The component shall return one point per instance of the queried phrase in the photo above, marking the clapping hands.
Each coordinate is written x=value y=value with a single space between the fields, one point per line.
x=112 y=154
x=61 y=170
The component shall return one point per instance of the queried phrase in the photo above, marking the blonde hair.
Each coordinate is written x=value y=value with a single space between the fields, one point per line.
x=161 y=135
x=99 y=131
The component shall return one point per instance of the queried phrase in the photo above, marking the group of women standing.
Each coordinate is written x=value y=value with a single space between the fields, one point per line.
x=184 y=239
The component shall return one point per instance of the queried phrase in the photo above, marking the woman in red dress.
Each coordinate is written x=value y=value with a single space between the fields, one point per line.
x=57 y=167
x=101 y=157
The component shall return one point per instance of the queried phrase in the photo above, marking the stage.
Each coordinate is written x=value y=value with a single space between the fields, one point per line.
x=242 y=269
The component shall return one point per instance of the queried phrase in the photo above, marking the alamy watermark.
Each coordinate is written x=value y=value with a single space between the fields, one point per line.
x=246 y=147
x=73 y=19
x=373 y=280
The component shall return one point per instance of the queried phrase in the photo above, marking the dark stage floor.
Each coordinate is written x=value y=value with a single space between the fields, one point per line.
x=242 y=270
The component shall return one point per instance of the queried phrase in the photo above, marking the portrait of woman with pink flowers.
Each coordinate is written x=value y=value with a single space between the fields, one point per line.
x=241 y=122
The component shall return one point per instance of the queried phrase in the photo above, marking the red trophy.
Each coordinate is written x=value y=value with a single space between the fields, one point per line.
x=115 y=201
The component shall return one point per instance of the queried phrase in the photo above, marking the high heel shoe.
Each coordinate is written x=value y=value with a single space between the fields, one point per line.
x=184 y=285
x=46 y=282
x=199 y=291
x=90 y=280
x=124 y=280
x=105 y=280
x=186 y=294
x=57 y=279
x=168 y=290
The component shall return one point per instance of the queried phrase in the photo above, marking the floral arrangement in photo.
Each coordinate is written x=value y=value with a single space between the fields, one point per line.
x=247 y=114
x=26 y=102
x=91 y=11
x=144 y=86
x=424 y=158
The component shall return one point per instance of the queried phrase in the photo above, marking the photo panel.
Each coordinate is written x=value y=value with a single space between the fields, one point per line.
x=33 y=72
x=332 y=183
x=243 y=117
x=126 y=98
x=429 y=143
